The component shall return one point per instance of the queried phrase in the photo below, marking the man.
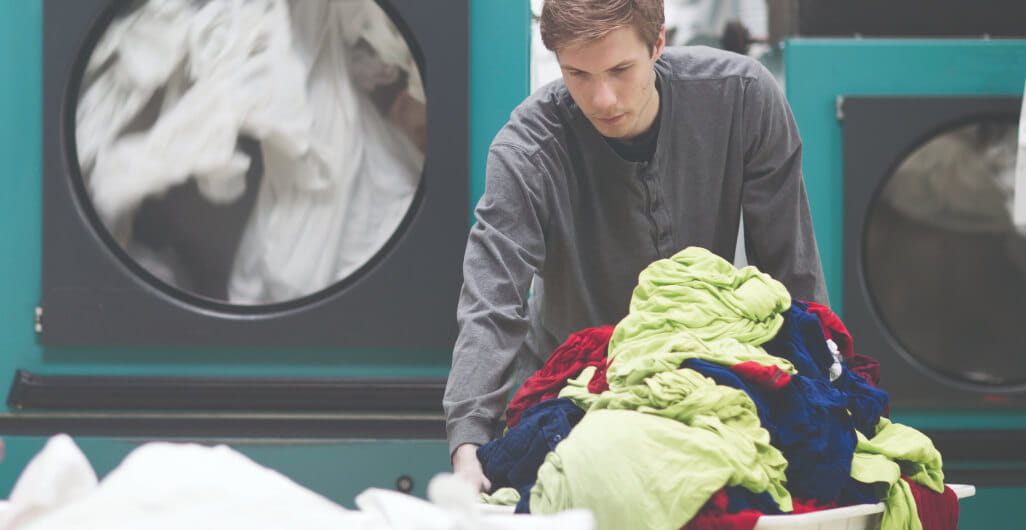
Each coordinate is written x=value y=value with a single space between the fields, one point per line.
x=635 y=154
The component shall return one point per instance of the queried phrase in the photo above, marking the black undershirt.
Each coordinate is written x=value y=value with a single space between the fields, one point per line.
x=640 y=148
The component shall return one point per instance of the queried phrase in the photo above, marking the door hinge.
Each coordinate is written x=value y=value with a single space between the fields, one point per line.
x=39 y=319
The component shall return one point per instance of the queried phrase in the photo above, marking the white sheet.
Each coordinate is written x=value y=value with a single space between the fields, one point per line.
x=166 y=486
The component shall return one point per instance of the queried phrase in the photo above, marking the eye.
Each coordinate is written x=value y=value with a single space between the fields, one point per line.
x=621 y=69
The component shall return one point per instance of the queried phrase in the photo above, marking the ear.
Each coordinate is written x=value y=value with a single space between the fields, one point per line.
x=660 y=43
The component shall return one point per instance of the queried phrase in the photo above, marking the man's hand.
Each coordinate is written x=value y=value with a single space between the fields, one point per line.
x=465 y=464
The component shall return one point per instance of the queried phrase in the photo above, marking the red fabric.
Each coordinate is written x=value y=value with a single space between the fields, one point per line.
x=834 y=329
x=810 y=505
x=598 y=383
x=866 y=367
x=937 y=511
x=714 y=516
x=582 y=349
x=766 y=377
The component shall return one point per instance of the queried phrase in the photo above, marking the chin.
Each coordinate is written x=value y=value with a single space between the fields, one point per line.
x=615 y=133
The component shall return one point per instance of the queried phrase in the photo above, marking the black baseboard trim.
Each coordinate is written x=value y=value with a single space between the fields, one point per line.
x=275 y=394
x=288 y=426
x=987 y=478
x=980 y=445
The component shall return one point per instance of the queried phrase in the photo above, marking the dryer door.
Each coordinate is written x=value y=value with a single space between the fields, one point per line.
x=936 y=279
x=254 y=172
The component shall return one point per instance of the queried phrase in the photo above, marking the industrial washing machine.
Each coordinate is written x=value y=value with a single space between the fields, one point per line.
x=131 y=318
x=908 y=154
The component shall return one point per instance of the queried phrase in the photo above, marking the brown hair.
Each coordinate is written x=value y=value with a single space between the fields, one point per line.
x=565 y=22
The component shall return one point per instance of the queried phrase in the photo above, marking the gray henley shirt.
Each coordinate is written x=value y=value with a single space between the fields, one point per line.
x=567 y=220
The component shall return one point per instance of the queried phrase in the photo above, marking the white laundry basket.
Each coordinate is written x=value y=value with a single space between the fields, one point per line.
x=858 y=517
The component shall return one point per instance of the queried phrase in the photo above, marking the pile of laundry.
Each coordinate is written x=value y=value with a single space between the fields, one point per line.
x=717 y=399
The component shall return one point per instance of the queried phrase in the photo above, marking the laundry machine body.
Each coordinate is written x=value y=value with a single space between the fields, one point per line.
x=352 y=373
x=898 y=134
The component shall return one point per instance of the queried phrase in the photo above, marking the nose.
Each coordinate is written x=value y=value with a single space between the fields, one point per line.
x=603 y=97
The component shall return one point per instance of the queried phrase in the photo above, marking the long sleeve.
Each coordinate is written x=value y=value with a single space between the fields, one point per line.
x=778 y=225
x=505 y=249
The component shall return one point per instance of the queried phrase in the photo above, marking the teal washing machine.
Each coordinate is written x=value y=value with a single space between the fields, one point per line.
x=909 y=150
x=175 y=205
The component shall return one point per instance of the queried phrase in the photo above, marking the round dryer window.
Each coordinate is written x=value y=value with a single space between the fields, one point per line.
x=944 y=264
x=251 y=152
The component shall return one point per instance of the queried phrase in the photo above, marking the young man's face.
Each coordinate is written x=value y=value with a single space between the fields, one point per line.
x=612 y=80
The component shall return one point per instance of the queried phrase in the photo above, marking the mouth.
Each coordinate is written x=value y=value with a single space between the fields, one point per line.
x=611 y=120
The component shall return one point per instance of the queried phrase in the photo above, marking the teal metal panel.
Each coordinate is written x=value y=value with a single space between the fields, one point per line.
x=336 y=469
x=500 y=37
x=992 y=508
x=817 y=71
x=20 y=152
x=961 y=419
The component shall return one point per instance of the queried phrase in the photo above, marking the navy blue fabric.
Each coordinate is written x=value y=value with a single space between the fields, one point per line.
x=808 y=419
x=856 y=492
x=837 y=408
x=819 y=466
x=724 y=376
x=514 y=459
x=739 y=498
x=807 y=422
x=865 y=402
